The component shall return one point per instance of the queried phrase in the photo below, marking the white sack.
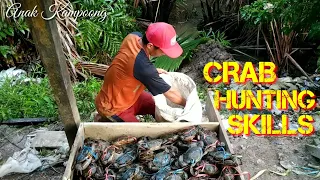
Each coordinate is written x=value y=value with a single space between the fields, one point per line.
x=24 y=161
x=168 y=111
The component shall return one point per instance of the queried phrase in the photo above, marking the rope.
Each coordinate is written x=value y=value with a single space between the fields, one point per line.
x=211 y=145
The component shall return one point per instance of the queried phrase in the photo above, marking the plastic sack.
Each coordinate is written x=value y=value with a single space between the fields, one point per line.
x=166 y=111
x=24 y=161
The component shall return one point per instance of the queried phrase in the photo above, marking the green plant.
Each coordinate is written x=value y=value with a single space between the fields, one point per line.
x=6 y=30
x=12 y=33
x=96 y=36
x=217 y=36
x=29 y=99
x=85 y=93
x=281 y=22
x=188 y=43
x=32 y=99
x=202 y=92
x=5 y=51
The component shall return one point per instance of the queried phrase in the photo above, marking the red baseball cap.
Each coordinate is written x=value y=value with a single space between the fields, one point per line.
x=164 y=36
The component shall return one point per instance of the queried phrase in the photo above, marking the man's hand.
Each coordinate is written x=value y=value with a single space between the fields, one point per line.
x=161 y=71
x=175 y=96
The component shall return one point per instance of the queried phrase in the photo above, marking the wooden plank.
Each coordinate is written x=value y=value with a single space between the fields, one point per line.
x=214 y=116
x=78 y=143
x=47 y=41
x=114 y=130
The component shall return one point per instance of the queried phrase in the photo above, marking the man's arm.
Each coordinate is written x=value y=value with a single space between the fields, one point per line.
x=175 y=96
x=145 y=72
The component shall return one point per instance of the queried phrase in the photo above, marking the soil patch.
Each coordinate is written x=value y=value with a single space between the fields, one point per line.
x=260 y=153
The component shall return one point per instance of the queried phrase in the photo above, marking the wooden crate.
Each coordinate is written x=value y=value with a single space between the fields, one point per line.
x=109 y=131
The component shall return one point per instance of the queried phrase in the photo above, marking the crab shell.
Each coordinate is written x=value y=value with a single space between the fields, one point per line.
x=146 y=156
x=124 y=140
x=171 y=139
x=172 y=150
x=233 y=161
x=208 y=137
x=189 y=134
x=192 y=156
x=151 y=145
x=161 y=174
x=102 y=145
x=160 y=160
x=126 y=158
x=129 y=172
x=180 y=175
x=209 y=169
x=220 y=155
x=228 y=173
x=110 y=155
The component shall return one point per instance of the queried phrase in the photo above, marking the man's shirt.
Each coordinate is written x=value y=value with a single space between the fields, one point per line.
x=128 y=75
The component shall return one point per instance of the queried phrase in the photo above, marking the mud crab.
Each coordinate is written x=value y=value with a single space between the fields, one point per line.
x=189 y=134
x=177 y=175
x=124 y=140
x=127 y=158
x=110 y=154
x=90 y=170
x=132 y=172
x=185 y=146
x=149 y=145
x=204 y=169
x=224 y=158
x=160 y=160
x=161 y=174
x=170 y=139
x=146 y=156
x=233 y=161
x=86 y=156
x=208 y=137
x=229 y=173
x=219 y=155
x=99 y=174
x=192 y=156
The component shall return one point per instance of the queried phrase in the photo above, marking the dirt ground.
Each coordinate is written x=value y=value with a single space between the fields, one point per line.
x=266 y=152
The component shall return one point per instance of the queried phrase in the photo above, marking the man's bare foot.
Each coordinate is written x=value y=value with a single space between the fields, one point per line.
x=97 y=117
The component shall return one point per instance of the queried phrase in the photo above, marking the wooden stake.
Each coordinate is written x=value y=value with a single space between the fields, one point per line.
x=47 y=40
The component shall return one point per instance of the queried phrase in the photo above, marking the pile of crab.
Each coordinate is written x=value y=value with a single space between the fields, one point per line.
x=194 y=153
